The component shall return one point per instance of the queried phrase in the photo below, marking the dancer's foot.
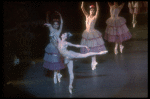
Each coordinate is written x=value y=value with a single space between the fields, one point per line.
x=103 y=52
x=94 y=65
x=121 y=48
x=134 y=23
x=115 y=51
x=59 y=76
x=55 y=80
x=70 y=89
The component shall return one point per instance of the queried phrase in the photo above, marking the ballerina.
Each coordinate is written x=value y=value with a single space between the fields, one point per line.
x=134 y=9
x=52 y=56
x=116 y=30
x=70 y=55
x=92 y=37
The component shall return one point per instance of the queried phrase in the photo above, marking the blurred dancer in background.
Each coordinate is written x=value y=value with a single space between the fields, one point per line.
x=116 y=30
x=134 y=8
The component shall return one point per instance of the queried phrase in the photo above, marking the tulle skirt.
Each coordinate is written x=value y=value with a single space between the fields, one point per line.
x=52 y=58
x=116 y=30
x=93 y=39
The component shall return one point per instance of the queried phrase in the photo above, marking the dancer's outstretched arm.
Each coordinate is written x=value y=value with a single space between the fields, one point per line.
x=49 y=26
x=85 y=13
x=78 y=46
x=97 y=12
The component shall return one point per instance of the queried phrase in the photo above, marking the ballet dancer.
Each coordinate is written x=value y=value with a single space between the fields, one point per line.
x=116 y=30
x=70 y=55
x=134 y=9
x=52 y=57
x=92 y=37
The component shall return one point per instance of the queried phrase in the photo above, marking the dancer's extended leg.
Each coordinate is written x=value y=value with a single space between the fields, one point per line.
x=90 y=54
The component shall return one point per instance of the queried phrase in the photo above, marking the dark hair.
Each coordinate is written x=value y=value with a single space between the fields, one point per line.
x=69 y=35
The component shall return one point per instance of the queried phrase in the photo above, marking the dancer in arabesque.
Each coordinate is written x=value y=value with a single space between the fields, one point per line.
x=70 y=55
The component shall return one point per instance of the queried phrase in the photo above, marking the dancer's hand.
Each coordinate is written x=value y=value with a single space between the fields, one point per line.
x=47 y=24
x=87 y=48
x=57 y=12
x=82 y=4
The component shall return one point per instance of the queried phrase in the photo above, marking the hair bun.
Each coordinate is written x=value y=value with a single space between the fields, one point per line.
x=69 y=34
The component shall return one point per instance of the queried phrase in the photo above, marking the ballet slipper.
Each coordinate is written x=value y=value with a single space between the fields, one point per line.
x=115 y=51
x=103 y=52
x=59 y=76
x=70 y=89
x=55 y=80
x=121 y=48
x=94 y=65
x=134 y=23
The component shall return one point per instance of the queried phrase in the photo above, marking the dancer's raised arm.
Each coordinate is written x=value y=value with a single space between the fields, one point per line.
x=97 y=8
x=83 y=10
x=121 y=6
x=47 y=24
x=61 y=22
x=109 y=4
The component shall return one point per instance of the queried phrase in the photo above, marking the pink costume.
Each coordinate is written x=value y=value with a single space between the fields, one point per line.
x=92 y=37
x=116 y=30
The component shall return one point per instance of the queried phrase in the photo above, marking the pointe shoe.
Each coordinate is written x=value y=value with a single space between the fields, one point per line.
x=121 y=49
x=59 y=76
x=94 y=65
x=55 y=80
x=134 y=23
x=115 y=51
x=103 y=52
x=70 y=89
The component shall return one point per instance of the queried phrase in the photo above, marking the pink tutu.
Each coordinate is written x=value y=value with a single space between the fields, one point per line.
x=93 y=39
x=116 y=30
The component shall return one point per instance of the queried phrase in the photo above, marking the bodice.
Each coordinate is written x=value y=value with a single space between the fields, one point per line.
x=90 y=23
x=63 y=48
x=54 y=35
x=114 y=12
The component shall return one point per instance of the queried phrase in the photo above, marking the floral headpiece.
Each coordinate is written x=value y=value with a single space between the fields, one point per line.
x=92 y=6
